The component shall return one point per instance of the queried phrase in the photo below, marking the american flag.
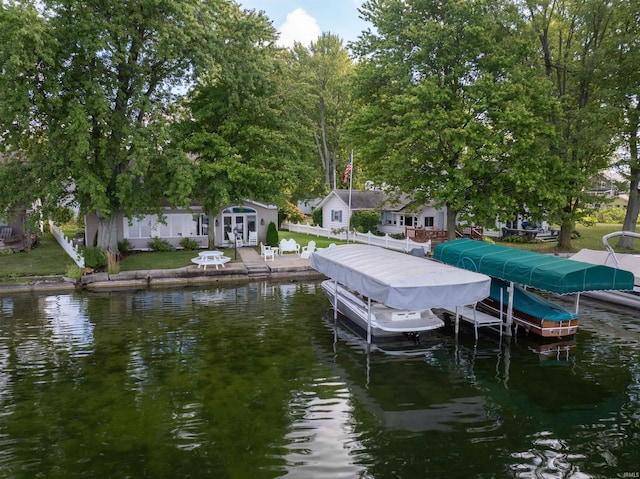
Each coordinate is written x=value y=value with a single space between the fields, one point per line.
x=348 y=170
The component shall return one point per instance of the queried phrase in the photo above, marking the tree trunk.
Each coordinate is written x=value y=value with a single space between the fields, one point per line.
x=566 y=231
x=633 y=207
x=451 y=223
x=107 y=233
x=211 y=230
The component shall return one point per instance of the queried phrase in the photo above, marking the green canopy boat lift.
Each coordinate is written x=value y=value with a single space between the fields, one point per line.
x=549 y=273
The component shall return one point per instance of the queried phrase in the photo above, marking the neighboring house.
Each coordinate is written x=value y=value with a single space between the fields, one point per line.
x=395 y=214
x=192 y=223
x=307 y=206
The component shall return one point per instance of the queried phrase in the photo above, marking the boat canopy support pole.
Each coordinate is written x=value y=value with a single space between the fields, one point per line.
x=335 y=299
x=577 y=302
x=510 y=308
x=368 y=320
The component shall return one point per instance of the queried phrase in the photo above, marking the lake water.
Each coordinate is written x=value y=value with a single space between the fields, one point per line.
x=255 y=380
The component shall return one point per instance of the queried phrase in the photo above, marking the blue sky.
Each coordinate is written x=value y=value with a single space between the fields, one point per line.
x=304 y=20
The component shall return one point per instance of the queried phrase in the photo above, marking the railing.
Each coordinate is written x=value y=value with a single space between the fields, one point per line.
x=385 y=241
x=67 y=245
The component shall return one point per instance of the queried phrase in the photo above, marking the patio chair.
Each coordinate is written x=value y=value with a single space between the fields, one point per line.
x=308 y=250
x=253 y=238
x=266 y=252
x=235 y=241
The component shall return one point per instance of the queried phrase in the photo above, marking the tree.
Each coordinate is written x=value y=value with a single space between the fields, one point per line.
x=238 y=121
x=623 y=71
x=452 y=110
x=323 y=73
x=575 y=47
x=86 y=102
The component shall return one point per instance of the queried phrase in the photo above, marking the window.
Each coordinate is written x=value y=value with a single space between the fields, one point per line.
x=428 y=221
x=336 y=215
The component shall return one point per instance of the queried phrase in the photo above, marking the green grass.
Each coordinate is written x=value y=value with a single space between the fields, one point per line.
x=48 y=258
x=590 y=238
x=163 y=259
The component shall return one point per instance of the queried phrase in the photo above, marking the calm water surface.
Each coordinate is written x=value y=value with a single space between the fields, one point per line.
x=256 y=381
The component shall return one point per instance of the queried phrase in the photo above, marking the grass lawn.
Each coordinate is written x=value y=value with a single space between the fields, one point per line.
x=590 y=238
x=49 y=259
x=164 y=259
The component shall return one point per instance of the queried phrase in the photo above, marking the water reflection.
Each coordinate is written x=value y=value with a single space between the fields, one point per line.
x=253 y=380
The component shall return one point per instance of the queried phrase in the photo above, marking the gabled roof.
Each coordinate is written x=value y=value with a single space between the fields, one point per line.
x=360 y=200
x=368 y=200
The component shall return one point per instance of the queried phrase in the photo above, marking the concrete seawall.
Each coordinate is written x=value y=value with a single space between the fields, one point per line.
x=251 y=267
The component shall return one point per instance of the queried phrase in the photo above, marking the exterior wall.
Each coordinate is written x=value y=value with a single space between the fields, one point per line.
x=335 y=214
x=393 y=222
x=181 y=223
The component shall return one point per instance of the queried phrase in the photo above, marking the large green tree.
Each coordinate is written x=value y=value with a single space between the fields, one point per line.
x=86 y=97
x=321 y=76
x=623 y=70
x=452 y=108
x=239 y=123
x=576 y=46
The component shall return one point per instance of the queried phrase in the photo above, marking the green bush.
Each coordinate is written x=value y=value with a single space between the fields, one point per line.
x=74 y=272
x=365 y=221
x=159 y=244
x=124 y=246
x=189 y=243
x=94 y=258
x=316 y=216
x=611 y=215
x=272 y=235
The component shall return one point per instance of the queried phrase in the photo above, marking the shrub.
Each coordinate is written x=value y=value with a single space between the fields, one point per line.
x=159 y=244
x=94 y=258
x=74 y=272
x=189 y=243
x=316 y=216
x=365 y=221
x=124 y=246
x=611 y=215
x=272 y=235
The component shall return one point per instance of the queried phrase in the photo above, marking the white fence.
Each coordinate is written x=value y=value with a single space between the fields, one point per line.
x=67 y=245
x=385 y=241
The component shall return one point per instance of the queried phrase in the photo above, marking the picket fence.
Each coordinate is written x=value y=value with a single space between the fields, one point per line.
x=406 y=245
x=67 y=245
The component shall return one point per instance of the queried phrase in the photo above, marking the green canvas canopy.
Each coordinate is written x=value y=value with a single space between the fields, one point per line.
x=541 y=271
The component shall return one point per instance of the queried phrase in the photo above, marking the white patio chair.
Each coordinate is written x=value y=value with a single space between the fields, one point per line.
x=253 y=238
x=308 y=250
x=235 y=241
x=266 y=252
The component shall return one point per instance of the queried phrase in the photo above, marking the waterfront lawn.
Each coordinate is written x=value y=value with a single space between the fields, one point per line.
x=590 y=238
x=46 y=259
x=142 y=261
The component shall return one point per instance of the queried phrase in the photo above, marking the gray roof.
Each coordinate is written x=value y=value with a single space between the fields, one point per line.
x=372 y=200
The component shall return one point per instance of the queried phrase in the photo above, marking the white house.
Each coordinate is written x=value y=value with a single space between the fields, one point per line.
x=396 y=214
x=249 y=216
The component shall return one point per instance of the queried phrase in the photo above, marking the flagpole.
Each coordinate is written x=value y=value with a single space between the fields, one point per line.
x=350 y=184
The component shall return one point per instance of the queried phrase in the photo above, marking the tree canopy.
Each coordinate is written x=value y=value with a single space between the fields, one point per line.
x=452 y=110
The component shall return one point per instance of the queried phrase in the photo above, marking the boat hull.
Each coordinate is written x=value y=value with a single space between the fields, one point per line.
x=385 y=321
x=541 y=327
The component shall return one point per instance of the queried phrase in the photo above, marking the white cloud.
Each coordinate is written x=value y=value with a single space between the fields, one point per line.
x=299 y=27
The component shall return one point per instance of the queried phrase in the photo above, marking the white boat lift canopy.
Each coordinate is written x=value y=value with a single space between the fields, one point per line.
x=400 y=280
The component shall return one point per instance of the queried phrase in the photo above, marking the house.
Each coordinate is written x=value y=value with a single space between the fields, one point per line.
x=193 y=223
x=396 y=214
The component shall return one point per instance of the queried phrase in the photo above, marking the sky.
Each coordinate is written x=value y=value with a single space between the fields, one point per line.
x=305 y=20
